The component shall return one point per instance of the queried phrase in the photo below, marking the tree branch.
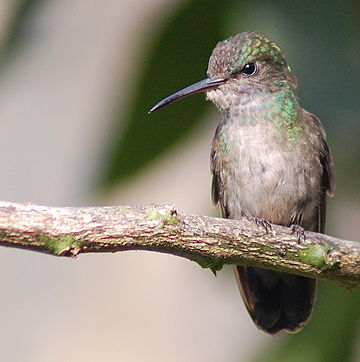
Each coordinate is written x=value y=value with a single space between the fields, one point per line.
x=209 y=241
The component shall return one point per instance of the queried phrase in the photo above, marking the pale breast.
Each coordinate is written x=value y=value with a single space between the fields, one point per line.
x=264 y=177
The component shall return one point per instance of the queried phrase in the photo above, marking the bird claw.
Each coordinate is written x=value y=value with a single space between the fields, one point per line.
x=260 y=222
x=299 y=231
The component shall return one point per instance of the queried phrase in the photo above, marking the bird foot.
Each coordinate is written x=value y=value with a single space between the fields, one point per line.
x=299 y=231
x=260 y=222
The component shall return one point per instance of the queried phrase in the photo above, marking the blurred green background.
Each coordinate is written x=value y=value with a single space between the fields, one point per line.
x=77 y=80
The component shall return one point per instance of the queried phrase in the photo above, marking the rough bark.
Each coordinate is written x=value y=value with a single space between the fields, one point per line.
x=211 y=242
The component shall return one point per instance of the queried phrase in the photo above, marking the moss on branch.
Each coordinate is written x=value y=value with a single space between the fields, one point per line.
x=210 y=242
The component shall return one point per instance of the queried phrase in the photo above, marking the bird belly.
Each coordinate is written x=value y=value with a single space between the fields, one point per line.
x=268 y=180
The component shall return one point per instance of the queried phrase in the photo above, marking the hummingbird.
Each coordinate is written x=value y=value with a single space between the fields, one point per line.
x=270 y=163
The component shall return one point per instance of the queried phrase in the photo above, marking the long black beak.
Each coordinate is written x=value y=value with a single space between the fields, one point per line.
x=198 y=87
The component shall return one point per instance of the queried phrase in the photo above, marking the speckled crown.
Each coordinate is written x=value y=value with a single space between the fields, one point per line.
x=230 y=55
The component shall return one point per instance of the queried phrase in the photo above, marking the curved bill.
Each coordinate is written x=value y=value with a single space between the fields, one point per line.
x=198 y=87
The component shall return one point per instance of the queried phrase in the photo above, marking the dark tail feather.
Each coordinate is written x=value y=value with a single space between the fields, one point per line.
x=276 y=301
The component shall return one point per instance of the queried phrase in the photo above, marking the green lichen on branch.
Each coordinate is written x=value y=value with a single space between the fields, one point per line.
x=164 y=217
x=208 y=241
x=316 y=255
x=214 y=263
x=61 y=246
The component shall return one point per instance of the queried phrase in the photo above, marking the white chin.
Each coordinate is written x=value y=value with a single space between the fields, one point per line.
x=221 y=101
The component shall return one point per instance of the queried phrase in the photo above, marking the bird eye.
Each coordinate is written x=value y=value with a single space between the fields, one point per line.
x=249 y=69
